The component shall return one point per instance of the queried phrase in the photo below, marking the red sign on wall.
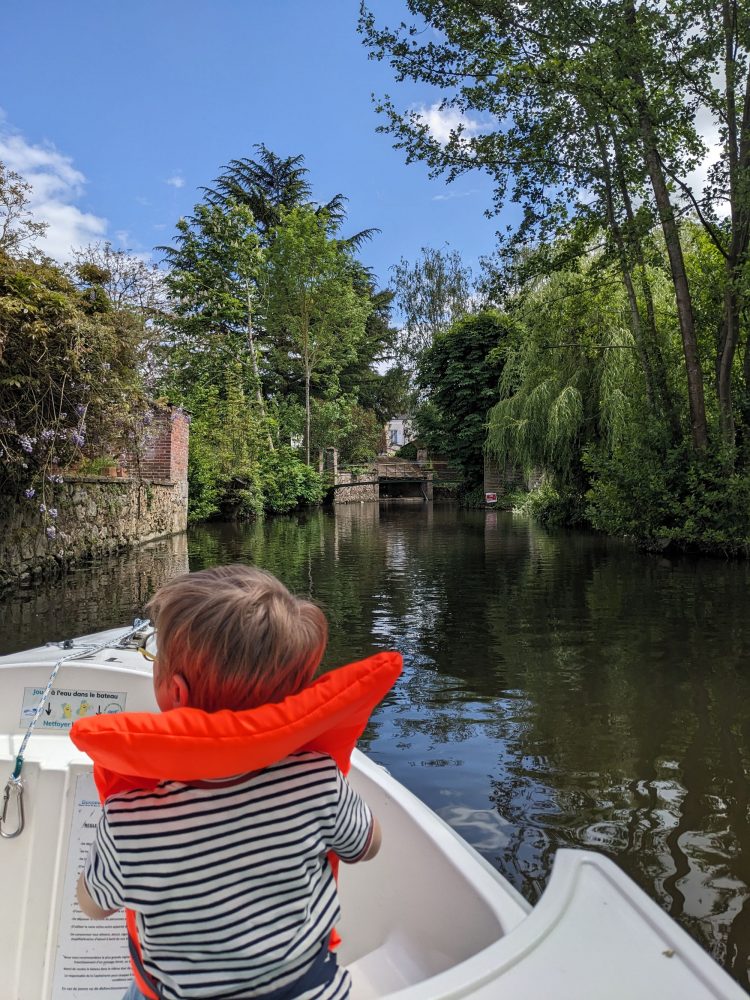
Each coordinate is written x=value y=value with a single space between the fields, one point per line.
x=490 y=497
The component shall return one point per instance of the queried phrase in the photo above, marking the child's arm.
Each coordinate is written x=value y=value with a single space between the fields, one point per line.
x=376 y=839
x=87 y=904
x=357 y=835
x=100 y=884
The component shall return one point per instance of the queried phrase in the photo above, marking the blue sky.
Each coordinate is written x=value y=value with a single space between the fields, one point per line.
x=119 y=111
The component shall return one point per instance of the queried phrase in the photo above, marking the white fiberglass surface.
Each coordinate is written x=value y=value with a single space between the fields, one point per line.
x=424 y=905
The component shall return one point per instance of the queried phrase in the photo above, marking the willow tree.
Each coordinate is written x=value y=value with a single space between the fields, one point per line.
x=571 y=378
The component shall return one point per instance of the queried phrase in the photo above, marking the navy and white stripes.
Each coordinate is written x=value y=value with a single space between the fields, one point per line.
x=229 y=879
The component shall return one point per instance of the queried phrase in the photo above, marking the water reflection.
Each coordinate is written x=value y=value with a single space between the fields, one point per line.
x=560 y=689
x=94 y=596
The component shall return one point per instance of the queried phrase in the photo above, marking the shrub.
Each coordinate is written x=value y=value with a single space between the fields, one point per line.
x=286 y=482
x=554 y=506
x=678 y=499
x=409 y=451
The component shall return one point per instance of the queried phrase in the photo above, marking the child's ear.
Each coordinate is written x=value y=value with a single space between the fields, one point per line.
x=179 y=691
x=172 y=692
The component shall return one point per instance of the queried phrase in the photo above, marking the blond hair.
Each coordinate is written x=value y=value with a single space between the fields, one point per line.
x=237 y=636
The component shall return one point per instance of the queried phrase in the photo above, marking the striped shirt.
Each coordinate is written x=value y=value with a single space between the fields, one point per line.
x=229 y=880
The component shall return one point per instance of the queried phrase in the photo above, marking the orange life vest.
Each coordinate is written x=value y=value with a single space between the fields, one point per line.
x=139 y=749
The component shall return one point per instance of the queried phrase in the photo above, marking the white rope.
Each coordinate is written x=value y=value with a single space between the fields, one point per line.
x=14 y=784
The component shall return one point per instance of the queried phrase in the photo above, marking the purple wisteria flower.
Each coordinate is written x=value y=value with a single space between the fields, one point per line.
x=42 y=508
x=29 y=493
x=51 y=532
x=81 y=409
x=26 y=443
x=47 y=434
x=78 y=439
x=55 y=478
x=52 y=512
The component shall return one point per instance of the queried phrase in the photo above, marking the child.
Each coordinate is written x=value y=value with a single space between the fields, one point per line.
x=229 y=878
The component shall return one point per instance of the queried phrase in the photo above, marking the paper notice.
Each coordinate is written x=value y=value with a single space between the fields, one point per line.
x=91 y=962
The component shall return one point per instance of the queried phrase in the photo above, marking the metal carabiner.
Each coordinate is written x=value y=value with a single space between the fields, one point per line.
x=14 y=786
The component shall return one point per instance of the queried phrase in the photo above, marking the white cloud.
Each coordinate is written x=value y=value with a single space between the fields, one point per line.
x=55 y=187
x=708 y=129
x=450 y=195
x=442 y=121
x=176 y=181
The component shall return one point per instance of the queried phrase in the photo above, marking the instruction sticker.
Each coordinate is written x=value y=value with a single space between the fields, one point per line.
x=64 y=706
x=92 y=960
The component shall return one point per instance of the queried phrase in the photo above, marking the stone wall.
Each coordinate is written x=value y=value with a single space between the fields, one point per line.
x=99 y=515
x=355 y=489
x=510 y=477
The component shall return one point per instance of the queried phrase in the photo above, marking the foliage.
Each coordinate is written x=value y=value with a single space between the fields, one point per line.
x=19 y=231
x=288 y=483
x=676 y=499
x=430 y=295
x=570 y=375
x=316 y=318
x=69 y=384
x=553 y=505
x=459 y=374
x=232 y=473
x=133 y=287
x=213 y=277
x=409 y=450
x=364 y=438
x=269 y=186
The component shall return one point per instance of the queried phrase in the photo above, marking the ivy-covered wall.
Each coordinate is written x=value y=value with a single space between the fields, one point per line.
x=95 y=516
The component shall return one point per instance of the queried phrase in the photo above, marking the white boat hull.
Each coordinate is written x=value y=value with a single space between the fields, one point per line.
x=428 y=919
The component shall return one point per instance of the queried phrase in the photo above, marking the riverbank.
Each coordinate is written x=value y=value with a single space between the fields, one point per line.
x=696 y=525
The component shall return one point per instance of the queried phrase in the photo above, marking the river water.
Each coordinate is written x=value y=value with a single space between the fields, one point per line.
x=560 y=689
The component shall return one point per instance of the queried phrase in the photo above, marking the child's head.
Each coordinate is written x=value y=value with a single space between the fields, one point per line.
x=237 y=637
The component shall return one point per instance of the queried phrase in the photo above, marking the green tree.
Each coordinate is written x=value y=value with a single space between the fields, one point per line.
x=315 y=317
x=269 y=186
x=430 y=294
x=460 y=373
x=216 y=270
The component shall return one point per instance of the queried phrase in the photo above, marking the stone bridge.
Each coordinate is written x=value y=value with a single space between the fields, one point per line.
x=385 y=479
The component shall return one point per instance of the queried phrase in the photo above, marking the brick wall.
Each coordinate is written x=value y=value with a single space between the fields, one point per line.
x=165 y=455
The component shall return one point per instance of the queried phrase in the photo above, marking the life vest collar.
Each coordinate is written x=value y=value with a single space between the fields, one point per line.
x=187 y=744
